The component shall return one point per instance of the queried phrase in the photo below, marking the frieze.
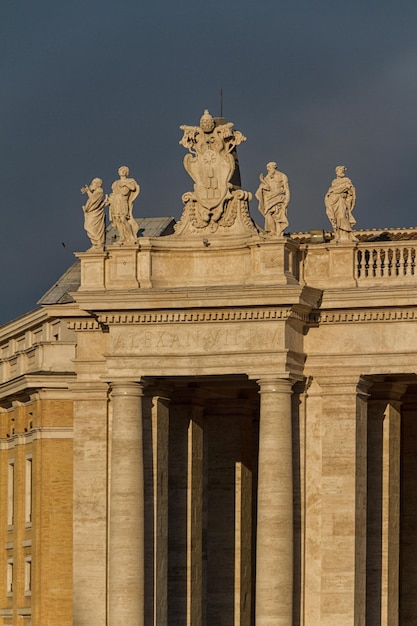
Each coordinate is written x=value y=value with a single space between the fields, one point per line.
x=174 y=340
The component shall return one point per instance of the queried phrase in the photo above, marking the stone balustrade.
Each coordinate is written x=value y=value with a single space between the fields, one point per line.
x=392 y=260
x=359 y=264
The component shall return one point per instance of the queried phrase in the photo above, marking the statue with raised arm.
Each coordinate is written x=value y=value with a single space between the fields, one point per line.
x=273 y=195
x=217 y=204
x=124 y=193
x=339 y=202
x=94 y=217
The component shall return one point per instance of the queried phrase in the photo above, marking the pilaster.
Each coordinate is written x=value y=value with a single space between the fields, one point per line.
x=341 y=545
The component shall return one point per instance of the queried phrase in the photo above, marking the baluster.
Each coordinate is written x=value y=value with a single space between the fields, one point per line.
x=366 y=263
x=358 y=264
x=383 y=261
x=390 y=261
x=400 y=262
x=377 y=271
x=406 y=262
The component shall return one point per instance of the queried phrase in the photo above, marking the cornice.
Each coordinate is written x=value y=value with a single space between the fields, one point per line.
x=47 y=381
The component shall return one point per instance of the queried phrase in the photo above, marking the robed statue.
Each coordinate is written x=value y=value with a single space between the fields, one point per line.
x=273 y=195
x=124 y=192
x=339 y=202
x=94 y=217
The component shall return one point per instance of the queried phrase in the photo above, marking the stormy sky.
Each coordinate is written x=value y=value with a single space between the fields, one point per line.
x=87 y=86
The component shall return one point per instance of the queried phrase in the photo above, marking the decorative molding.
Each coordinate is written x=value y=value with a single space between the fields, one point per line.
x=34 y=435
x=84 y=324
x=204 y=316
x=360 y=316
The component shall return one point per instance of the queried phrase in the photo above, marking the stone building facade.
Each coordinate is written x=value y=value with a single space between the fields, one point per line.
x=214 y=424
x=220 y=433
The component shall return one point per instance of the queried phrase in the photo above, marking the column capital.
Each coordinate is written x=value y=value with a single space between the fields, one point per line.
x=275 y=384
x=126 y=387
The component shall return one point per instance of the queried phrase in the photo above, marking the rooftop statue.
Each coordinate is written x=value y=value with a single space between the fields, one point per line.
x=217 y=204
x=273 y=195
x=94 y=217
x=124 y=193
x=340 y=201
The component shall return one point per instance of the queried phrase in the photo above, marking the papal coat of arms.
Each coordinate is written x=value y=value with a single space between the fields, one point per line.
x=217 y=204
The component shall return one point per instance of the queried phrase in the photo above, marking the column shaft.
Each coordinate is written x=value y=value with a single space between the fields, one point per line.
x=126 y=537
x=160 y=435
x=195 y=520
x=274 y=547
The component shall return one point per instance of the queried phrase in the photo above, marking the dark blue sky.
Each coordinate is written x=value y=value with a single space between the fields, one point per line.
x=90 y=85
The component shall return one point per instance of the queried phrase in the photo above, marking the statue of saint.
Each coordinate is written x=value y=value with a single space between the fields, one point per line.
x=273 y=195
x=94 y=217
x=339 y=202
x=124 y=193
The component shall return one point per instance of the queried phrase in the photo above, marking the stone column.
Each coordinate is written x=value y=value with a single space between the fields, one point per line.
x=160 y=436
x=383 y=517
x=195 y=518
x=408 y=535
x=274 y=543
x=126 y=507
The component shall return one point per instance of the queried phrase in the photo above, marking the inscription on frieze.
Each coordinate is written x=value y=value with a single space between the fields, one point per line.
x=231 y=338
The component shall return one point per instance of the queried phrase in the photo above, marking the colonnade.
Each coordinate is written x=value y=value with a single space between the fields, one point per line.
x=344 y=429
x=274 y=541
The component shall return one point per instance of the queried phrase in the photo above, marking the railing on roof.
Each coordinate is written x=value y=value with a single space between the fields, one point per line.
x=386 y=260
x=377 y=259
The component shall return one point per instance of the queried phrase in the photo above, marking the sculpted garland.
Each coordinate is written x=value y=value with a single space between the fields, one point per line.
x=217 y=204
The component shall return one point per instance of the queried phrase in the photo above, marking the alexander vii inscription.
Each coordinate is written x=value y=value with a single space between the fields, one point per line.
x=172 y=340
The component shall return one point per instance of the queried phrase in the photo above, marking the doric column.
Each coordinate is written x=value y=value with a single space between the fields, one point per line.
x=160 y=437
x=274 y=543
x=126 y=508
x=383 y=517
x=408 y=535
x=195 y=518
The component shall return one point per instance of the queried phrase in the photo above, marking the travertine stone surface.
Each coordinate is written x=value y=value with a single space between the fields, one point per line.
x=274 y=537
x=408 y=528
x=90 y=508
x=273 y=195
x=336 y=511
x=126 y=514
x=160 y=455
x=195 y=518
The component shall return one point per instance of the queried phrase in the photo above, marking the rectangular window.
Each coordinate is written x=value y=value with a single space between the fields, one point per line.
x=9 y=577
x=28 y=575
x=10 y=493
x=28 y=491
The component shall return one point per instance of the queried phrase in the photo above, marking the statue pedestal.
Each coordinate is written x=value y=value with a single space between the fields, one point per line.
x=172 y=262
